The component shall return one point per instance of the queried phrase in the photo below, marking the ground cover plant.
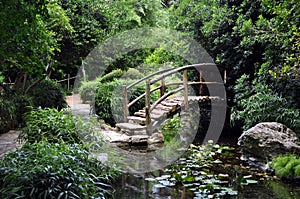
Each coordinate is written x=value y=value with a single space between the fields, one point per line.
x=52 y=170
x=50 y=125
x=287 y=166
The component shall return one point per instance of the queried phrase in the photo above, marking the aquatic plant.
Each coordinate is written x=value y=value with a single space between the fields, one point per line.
x=194 y=173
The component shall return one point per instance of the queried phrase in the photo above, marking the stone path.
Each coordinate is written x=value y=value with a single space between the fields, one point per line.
x=9 y=142
x=111 y=135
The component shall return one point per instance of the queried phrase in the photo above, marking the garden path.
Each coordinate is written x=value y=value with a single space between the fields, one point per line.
x=9 y=142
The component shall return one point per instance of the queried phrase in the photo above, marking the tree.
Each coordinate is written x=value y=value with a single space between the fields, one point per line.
x=257 y=38
x=30 y=31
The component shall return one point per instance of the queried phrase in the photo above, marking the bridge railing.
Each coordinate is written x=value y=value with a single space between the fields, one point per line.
x=163 y=74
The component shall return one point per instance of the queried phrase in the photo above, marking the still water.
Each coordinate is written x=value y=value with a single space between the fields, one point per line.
x=159 y=184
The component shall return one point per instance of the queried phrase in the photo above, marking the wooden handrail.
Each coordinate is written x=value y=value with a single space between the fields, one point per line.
x=166 y=85
x=165 y=96
x=147 y=77
x=175 y=70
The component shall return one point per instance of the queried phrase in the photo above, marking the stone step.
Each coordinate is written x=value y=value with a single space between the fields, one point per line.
x=152 y=116
x=170 y=104
x=164 y=108
x=136 y=120
x=131 y=129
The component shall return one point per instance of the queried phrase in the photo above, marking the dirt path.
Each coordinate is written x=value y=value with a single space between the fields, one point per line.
x=9 y=142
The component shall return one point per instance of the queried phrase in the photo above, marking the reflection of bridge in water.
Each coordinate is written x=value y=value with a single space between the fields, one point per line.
x=179 y=98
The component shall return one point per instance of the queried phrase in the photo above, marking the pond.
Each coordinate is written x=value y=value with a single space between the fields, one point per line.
x=213 y=171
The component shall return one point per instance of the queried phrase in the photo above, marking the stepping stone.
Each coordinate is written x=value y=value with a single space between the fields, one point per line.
x=131 y=129
x=138 y=139
x=136 y=120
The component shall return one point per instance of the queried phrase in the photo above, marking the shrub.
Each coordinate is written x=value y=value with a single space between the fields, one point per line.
x=263 y=105
x=7 y=111
x=52 y=170
x=132 y=73
x=12 y=109
x=50 y=125
x=115 y=74
x=23 y=104
x=109 y=100
x=287 y=166
x=87 y=91
x=48 y=94
x=104 y=101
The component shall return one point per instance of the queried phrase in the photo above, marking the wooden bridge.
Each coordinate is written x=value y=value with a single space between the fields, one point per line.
x=146 y=120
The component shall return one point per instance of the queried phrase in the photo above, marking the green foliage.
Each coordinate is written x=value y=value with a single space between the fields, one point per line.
x=91 y=22
x=115 y=74
x=87 y=90
x=30 y=35
x=104 y=100
x=287 y=166
x=261 y=104
x=48 y=94
x=132 y=74
x=12 y=109
x=53 y=170
x=129 y=14
x=257 y=38
x=7 y=117
x=50 y=125
x=171 y=128
x=109 y=100
x=1 y=78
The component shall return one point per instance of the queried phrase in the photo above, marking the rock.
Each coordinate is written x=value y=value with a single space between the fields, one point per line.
x=267 y=140
x=156 y=138
x=131 y=129
x=138 y=139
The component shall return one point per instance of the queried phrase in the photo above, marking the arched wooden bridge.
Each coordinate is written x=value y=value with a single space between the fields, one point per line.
x=143 y=121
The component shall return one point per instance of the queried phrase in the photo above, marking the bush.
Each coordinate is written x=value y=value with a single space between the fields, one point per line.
x=7 y=114
x=87 y=91
x=23 y=104
x=287 y=166
x=52 y=170
x=115 y=74
x=48 y=94
x=12 y=109
x=133 y=74
x=50 y=125
x=109 y=100
x=262 y=104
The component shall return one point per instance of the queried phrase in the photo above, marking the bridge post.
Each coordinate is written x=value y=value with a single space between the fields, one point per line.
x=147 y=108
x=162 y=87
x=185 y=85
x=125 y=102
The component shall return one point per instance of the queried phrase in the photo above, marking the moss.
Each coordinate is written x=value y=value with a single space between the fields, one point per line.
x=287 y=166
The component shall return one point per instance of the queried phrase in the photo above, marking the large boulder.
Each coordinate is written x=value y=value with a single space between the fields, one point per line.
x=267 y=140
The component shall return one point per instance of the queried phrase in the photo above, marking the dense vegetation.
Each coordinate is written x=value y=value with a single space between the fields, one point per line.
x=258 y=40
x=42 y=41
x=54 y=162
